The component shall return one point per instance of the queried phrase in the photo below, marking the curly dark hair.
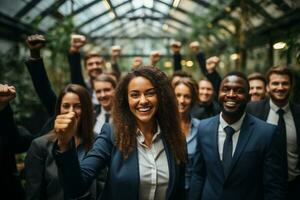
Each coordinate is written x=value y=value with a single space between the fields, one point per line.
x=167 y=114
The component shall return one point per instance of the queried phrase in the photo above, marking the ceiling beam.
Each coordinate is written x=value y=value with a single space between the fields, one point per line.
x=98 y=16
x=86 y=6
x=52 y=10
x=260 y=10
x=27 y=8
x=124 y=15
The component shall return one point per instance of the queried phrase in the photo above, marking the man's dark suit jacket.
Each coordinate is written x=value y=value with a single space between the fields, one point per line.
x=256 y=169
x=123 y=176
x=260 y=109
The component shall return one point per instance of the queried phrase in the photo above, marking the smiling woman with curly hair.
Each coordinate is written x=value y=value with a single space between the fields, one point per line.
x=144 y=149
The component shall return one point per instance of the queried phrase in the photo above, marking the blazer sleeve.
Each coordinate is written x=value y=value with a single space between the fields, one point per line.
x=77 y=177
x=177 y=62
x=42 y=84
x=213 y=77
x=75 y=69
x=198 y=174
x=15 y=141
x=34 y=171
x=275 y=169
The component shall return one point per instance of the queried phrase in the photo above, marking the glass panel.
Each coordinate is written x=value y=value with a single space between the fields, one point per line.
x=118 y=2
x=80 y=3
x=46 y=23
x=66 y=8
x=161 y=7
x=11 y=9
x=123 y=9
x=179 y=15
x=102 y=20
x=34 y=12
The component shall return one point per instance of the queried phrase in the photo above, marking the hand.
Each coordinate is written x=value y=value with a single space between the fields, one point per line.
x=154 y=57
x=115 y=51
x=175 y=47
x=65 y=127
x=212 y=63
x=35 y=44
x=195 y=47
x=7 y=93
x=77 y=41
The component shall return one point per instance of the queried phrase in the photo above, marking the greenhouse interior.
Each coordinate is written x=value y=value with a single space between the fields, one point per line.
x=249 y=36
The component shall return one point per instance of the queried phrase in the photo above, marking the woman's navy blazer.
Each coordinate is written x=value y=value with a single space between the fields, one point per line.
x=123 y=176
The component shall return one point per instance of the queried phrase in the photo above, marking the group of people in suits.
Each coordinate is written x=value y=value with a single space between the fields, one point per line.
x=152 y=144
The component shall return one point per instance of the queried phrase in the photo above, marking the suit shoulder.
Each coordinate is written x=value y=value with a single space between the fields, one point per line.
x=262 y=124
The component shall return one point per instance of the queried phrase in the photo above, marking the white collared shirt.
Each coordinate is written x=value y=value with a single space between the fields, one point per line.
x=100 y=120
x=153 y=168
x=291 y=137
x=222 y=135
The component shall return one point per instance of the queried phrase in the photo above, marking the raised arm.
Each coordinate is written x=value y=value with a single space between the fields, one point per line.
x=115 y=54
x=175 y=48
x=39 y=77
x=207 y=67
x=13 y=140
x=78 y=177
x=74 y=58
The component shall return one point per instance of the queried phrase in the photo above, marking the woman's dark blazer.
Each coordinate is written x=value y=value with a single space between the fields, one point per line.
x=123 y=176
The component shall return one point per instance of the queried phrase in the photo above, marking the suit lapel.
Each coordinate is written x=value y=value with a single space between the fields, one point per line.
x=265 y=109
x=215 y=140
x=245 y=133
x=172 y=173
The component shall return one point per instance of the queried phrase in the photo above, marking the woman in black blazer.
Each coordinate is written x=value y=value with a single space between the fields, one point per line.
x=144 y=149
x=41 y=172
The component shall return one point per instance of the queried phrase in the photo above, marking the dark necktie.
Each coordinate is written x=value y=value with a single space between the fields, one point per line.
x=227 y=149
x=107 y=115
x=282 y=131
x=281 y=122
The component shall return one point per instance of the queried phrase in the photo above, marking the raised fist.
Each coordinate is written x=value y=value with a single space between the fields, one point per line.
x=35 y=42
x=65 y=127
x=195 y=46
x=77 y=41
x=7 y=93
x=212 y=63
x=175 y=47
x=154 y=57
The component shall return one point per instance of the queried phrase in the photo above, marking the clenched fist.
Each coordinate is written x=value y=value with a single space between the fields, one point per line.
x=7 y=93
x=65 y=127
x=35 y=44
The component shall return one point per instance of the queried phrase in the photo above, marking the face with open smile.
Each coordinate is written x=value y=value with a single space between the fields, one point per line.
x=142 y=100
x=233 y=96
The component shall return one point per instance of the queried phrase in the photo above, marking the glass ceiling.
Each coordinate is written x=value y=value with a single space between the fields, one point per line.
x=107 y=22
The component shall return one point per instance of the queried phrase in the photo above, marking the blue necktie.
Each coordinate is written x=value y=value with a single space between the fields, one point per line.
x=227 y=149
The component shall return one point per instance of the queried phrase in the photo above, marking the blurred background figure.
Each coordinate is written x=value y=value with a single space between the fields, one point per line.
x=257 y=84
x=137 y=62
x=154 y=58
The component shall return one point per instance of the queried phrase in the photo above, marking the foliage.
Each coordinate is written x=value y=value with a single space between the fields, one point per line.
x=13 y=72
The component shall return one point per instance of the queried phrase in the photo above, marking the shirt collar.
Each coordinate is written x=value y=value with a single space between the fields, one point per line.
x=275 y=108
x=236 y=126
x=141 y=138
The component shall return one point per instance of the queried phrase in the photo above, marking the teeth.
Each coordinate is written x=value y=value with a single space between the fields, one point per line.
x=231 y=103
x=144 y=109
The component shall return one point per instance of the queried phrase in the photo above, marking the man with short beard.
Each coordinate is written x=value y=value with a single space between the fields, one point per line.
x=237 y=156
x=279 y=111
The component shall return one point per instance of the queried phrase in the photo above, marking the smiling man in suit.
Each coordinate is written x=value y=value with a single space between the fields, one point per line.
x=278 y=110
x=238 y=156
